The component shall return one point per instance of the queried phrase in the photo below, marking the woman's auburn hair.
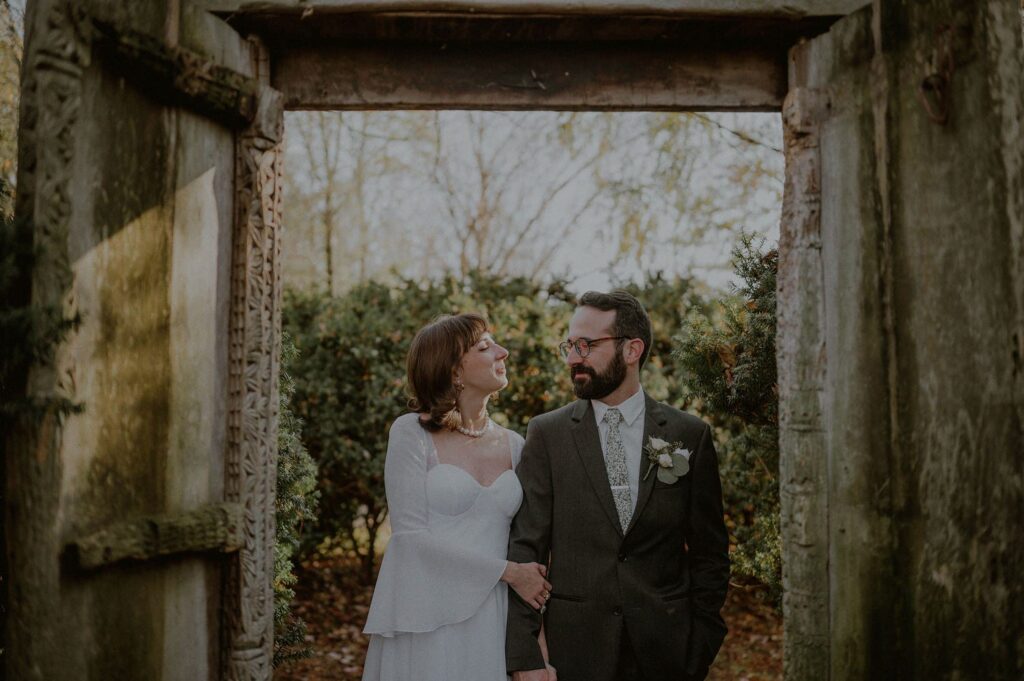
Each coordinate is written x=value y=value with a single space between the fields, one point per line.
x=436 y=351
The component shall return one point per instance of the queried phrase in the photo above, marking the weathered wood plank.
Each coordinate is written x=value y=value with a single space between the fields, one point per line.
x=283 y=30
x=800 y=352
x=573 y=77
x=216 y=527
x=176 y=75
x=789 y=8
x=423 y=59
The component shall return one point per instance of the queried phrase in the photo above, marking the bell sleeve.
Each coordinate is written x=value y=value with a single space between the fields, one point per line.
x=516 y=442
x=425 y=581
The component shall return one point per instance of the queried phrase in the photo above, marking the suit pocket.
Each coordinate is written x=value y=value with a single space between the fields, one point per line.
x=660 y=486
x=678 y=596
x=567 y=597
x=677 y=605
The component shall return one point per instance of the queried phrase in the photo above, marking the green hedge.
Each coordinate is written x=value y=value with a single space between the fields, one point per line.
x=350 y=381
x=350 y=385
x=296 y=504
x=729 y=356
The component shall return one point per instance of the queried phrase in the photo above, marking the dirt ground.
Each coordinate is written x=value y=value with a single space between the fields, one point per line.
x=334 y=608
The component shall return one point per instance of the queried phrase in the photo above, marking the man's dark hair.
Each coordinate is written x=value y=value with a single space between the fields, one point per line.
x=631 y=319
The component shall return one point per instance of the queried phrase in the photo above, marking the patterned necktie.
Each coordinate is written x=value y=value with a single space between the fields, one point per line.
x=615 y=463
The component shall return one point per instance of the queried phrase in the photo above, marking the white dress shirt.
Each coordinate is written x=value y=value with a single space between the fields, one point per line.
x=632 y=431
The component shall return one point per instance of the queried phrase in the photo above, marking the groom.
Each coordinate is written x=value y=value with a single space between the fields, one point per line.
x=638 y=558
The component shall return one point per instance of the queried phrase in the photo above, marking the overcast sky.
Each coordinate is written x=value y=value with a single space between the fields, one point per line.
x=407 y=207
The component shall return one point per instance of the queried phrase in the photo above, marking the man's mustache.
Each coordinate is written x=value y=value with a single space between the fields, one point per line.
x=577 y=370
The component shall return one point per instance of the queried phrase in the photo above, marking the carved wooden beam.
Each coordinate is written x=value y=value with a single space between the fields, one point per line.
x=424 y=60
x=589 y=77
x=216 y=527
x=177 y=76
x=173 y=75
x=786 y=8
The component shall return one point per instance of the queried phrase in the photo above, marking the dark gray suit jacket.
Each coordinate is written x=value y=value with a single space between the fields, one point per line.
x=662 y=583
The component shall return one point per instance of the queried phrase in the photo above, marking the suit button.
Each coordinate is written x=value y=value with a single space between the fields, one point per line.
x=622 y=558
x=617 y=611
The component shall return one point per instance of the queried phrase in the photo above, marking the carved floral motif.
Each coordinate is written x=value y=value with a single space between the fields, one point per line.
x=254 y=356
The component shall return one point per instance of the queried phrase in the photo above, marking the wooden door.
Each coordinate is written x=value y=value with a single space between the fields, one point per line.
x=901 y=321
x=140 y=472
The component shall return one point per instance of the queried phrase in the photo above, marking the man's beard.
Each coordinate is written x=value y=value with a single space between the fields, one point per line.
x=599 y=385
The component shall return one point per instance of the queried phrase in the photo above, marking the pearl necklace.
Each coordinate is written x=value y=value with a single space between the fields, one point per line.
x=475 y=433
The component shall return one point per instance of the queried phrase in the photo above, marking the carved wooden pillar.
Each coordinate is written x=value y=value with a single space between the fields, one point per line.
x=50 y=108
x=251 y=458
x=801 y=371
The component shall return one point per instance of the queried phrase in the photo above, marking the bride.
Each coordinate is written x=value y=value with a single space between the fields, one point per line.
x=439 y=607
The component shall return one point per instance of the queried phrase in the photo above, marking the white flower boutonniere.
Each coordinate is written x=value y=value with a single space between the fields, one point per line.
x=671 y=459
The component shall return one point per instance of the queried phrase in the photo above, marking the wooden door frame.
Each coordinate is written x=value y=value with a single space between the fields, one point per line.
x=642 y=55
x=630 y=55
x=622 y=55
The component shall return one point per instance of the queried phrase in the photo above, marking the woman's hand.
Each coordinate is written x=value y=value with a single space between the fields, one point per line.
x=528 y=581
x=542 y=639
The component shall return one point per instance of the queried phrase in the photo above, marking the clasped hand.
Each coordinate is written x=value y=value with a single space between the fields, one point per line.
x=528 y=580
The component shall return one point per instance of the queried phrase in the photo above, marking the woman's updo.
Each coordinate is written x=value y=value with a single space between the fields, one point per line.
x=435 y=353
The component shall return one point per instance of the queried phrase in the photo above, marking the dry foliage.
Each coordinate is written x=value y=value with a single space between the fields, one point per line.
x=334 y=605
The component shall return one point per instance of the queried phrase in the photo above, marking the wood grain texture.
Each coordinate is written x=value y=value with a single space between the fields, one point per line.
x=254 y=357
x=588 y=77
x=788 y=8
x=419 y=59
x=800 y=349
x=177 y=76
x=212 y=528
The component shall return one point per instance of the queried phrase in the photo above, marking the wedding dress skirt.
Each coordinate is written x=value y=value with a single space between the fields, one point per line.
x=471 y=650
x=439 y=608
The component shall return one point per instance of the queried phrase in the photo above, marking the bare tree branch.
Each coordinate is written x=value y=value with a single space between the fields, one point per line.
x=737 y=133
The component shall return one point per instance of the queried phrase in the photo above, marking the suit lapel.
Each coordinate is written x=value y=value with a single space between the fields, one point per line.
x=655 y=423
x=588 y=447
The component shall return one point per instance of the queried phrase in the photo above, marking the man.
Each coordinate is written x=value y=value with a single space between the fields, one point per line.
x=639 y=565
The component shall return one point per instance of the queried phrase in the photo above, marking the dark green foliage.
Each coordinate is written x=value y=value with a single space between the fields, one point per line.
x=669 y=302
x=349 y=389
x=729 y=358
x=295 y=505
x=530 y=321
x=350 y=380
x=351 y=369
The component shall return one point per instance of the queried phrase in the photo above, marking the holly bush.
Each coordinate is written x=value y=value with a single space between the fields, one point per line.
x=715 y=358
x=350 y=382
x=669 y=301
x=728 y=357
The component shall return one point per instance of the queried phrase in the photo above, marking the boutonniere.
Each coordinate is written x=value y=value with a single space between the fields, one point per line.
x=671 y=459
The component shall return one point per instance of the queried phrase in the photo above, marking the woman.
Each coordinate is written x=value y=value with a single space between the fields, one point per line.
x=440 y=604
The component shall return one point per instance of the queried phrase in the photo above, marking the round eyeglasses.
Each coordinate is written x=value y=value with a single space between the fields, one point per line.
x=583 y=346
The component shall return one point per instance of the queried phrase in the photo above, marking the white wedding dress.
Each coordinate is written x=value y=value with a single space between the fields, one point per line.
x=439 y=608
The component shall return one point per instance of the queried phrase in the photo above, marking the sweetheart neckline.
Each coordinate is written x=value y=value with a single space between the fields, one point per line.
x=471 y=477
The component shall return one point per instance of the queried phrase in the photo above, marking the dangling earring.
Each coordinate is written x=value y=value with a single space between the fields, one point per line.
x=453 y=419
